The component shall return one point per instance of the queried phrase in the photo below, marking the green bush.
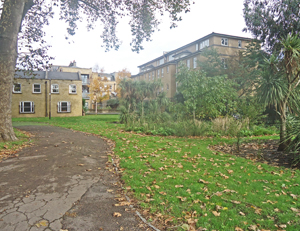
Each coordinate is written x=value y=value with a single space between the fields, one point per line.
x=113 y=103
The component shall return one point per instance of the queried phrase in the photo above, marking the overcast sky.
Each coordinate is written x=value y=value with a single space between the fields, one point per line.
x=218 y=16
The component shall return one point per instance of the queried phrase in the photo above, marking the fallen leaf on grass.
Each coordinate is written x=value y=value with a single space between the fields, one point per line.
x=294 y=196
x=109 y=190
x=117 y=214
x=238 y=229
x=168 y=220
x=218 y=194
x=178 y=186
x=156 y=186
x=162 y=193
x=230 y=171
x=80 y=164
x=203 y=181
x=242 y=214
x=295 y=210
x=252 y=227
x=182 y=198
x=282 y=226
x=216 y=213
x=236 y=202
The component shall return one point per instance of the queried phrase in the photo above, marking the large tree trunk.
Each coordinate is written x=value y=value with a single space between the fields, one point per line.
x=10 y=23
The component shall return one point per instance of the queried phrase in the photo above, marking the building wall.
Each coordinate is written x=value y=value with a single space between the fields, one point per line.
x=42 y=100
x=192 y=50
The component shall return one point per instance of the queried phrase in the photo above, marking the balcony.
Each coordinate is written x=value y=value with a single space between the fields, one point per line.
x=85 y=82
x=85 y=95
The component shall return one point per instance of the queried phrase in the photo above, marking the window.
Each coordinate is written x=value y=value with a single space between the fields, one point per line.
x=85 y=78
x=162 y=72
x=195 y=62
x=63 y=106
x=224 y=63
x=167 y=69
x=171 y=58
x=224 y=41
x=26 y=107
x=239 y=43
x=36 y=88
x=161 y=61
x=197 y=46
x=157 y=73
x=152 y=74
x=17 y=88
x=188 y=63
x=54 y=88
x=86 y=104
x=72 y=89
x=167 y=87
x=204 y=44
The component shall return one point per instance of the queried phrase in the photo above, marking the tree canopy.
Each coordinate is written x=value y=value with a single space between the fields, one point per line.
x=270 y=21
x=21 y=27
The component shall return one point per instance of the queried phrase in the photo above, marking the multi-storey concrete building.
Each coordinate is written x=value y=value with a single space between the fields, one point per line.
x=44 y=93
x=164 y=67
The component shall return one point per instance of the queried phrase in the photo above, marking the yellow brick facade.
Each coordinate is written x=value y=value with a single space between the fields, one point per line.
x=87 y=74
x=165 y=66
x=42 y=103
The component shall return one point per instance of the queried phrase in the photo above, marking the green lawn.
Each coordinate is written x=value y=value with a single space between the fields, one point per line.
x=179 y=182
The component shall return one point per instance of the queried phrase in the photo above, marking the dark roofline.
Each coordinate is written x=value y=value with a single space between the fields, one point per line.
x=198 y=40
x=72 y=67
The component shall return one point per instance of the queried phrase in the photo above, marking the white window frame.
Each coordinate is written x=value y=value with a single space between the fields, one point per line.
x=239 y=43
x=54 y=90
x=224 y=63
x=14 y=86
x=71 y=91
x=197 y=46
x=188 y=63
x=158 y=73
x=22 y=107
x=33 y=88
x=204 y=44
x=171 y=57
x=167 y=69
x=162 y=72
x=224 y=41
x=59 y=107
x=161 y=61
x=195 y=62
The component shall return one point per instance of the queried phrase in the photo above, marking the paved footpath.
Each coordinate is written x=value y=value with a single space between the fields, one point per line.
x=61 y=183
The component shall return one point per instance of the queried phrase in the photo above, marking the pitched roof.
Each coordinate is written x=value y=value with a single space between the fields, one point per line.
x=47 y=75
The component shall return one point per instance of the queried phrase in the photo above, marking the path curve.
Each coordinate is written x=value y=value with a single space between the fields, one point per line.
x=62 y=183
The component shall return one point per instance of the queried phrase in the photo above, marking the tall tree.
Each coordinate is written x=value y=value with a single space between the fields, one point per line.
x=99 y=90
x=22 y=20
x=272 y=20
x=277 y=24
x=206 y=97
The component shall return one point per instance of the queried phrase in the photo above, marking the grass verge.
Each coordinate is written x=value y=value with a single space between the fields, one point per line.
x=179 y=183
x=8 y=149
